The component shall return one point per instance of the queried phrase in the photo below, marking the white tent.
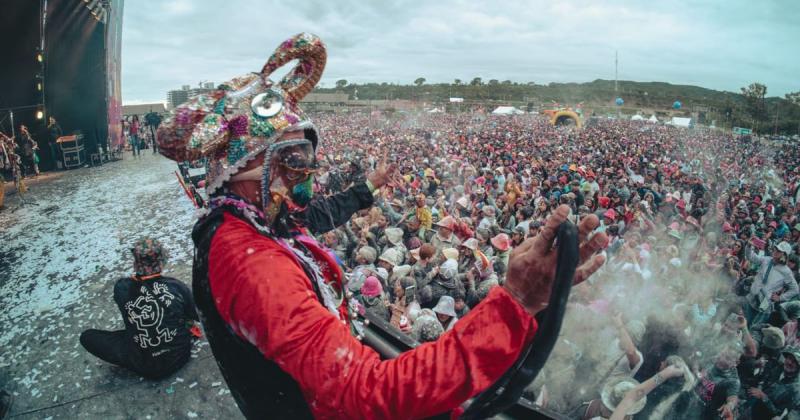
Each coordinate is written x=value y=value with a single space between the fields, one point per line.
x=637 y=117
x=652 y=119
x=435 y=111
x=682 y=122
x=506 y=110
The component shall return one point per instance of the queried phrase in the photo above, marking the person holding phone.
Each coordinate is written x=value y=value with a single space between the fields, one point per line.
x=404 y=308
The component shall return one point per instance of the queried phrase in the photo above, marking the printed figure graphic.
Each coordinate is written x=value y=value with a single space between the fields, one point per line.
x=146 y=315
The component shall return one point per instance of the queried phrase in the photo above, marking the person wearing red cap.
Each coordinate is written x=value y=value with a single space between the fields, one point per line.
x=502 y=248
x=271 y=296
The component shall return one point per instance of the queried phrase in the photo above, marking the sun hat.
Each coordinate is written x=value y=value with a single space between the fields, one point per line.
x=447 y=222
x=394 y=235
x=793 y=351
x=471 y=244
x=391 y=256
x=401 y=271
x=445 y=306
x=784 y=247
x=773 y=338
x=792 y=309
x=371 y=287
x=369 y=253
x=449 y=269
x=614 y=391
x=501 y=242
x=450 y=253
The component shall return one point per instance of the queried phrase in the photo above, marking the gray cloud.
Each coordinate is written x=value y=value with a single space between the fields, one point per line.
x=168 y=43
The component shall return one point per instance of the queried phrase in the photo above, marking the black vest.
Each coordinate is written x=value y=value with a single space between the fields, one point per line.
x=261 y=388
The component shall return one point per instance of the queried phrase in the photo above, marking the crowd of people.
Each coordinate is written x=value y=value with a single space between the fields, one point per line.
x=695 y=313
x=139 y=133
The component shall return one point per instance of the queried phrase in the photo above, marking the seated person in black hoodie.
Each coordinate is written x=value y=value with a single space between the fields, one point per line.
x=158 y=313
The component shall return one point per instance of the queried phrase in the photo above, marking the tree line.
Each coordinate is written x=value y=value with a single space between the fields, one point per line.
x=751 y=107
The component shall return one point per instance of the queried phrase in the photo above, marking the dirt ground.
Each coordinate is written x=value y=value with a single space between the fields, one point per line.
x=62 y=246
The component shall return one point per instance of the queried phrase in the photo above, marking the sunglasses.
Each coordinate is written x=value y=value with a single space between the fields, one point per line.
x=299 y=163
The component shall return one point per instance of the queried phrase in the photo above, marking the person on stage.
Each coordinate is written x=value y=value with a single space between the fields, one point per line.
x=271 y=298
x=54 y=132
x=26 y=149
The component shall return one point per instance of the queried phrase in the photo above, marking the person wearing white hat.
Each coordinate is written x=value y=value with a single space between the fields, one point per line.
x=611 y=395
x=365 y=260
x=463 y=206
x=446 y=312
x=774 y=283
x=444 y=237
x=450 y=254
x=388 y=261
x=394 y=240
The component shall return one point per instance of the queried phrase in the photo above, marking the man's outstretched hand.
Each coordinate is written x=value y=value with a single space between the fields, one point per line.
x=532 y=265
x=385 y=173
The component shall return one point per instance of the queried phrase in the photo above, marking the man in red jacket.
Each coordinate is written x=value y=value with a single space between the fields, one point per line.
x=270 y=297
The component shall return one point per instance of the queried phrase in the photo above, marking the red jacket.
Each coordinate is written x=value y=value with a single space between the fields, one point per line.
x=266 y=298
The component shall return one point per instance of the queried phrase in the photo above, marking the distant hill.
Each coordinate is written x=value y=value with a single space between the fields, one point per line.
x=726 y=108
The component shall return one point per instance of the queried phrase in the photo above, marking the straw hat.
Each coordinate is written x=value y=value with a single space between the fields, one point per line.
x=614 y=391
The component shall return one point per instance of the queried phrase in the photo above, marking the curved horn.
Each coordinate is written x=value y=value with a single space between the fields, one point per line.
x=310 y=51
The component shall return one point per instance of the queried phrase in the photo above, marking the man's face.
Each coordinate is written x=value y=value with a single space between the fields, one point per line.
x=790 y=364
x=330 y=238
x=459 y=304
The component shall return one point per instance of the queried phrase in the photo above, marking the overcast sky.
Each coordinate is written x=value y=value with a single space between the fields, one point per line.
x=717 y=44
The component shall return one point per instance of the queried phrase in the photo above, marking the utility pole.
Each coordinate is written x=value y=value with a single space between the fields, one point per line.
x=616 y=67
x=616 y=77
x=777 y=109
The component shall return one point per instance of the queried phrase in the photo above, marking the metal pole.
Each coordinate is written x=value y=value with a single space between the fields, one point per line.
x=11 y=114
x=42 y=28
x=777 y=110
x=616 y=78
